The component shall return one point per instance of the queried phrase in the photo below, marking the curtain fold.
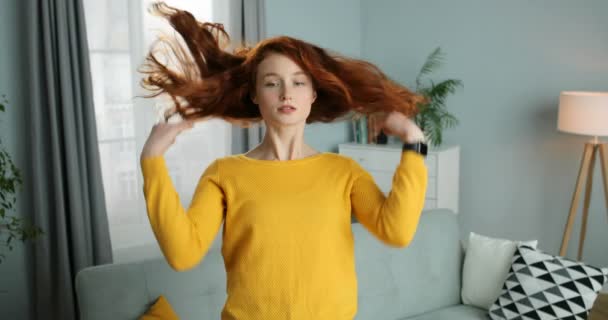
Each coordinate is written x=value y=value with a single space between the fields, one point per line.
x=250 y=26
x=254 y=30
x=66 y=187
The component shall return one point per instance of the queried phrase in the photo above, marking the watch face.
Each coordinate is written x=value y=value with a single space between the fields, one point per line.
x=423 y=148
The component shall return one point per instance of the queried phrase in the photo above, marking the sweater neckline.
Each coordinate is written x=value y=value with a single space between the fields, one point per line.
x=319 y=155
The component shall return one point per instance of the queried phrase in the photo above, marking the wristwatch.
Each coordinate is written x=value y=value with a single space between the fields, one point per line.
x=419 y=147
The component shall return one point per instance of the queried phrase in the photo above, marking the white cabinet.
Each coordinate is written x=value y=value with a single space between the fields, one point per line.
x=443 y=167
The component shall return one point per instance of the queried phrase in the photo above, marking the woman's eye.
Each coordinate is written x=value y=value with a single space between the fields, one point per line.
x=275 y=84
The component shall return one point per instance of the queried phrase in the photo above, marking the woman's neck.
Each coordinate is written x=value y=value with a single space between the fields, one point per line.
x=282 y=144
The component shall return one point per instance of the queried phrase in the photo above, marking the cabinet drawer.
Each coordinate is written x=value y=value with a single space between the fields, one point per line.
x=431 y=164
x=385 y=160
x=430 y=204
x=374 y=159
x=431 y=188
x=383 y=179
x=382 y=160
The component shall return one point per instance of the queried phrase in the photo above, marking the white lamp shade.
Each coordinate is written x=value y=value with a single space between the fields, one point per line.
x=584 y=113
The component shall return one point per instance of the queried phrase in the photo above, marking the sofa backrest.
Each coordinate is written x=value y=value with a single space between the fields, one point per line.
x=126 y=291
x=392 y=282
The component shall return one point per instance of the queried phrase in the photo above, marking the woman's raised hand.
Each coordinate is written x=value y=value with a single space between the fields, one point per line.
x=397 y=124
x=162 y=137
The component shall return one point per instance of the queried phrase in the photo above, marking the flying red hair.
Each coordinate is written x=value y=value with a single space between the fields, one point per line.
x=215 y=83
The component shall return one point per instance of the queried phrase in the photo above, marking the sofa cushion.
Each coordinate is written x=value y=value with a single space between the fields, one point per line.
x=398 y=282
x=112 y=292
x=457 y=312
x=160 y=310
x=199 y=293
x=542 y=286
x=486 y=263
x=124 y=291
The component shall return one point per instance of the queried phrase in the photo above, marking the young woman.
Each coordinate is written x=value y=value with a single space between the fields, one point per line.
x=286 y=208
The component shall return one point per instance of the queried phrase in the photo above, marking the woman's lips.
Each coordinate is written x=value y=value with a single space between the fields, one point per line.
x=287 y=109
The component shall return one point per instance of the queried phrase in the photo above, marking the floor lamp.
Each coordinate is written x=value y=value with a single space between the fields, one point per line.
x=584 y=113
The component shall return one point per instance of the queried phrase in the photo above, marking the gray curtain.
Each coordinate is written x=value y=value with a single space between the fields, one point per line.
x=251 y=25
x=66 y=187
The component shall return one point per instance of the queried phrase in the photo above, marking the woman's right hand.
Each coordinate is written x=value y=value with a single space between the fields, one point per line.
x=163 y=136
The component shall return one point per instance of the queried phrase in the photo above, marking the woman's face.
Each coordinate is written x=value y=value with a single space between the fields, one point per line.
x=284 y=92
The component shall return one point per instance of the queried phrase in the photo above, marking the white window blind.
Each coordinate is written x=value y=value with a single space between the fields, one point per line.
x=119 y=34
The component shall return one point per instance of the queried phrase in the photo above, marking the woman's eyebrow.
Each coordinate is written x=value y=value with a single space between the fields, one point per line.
x=277 y=75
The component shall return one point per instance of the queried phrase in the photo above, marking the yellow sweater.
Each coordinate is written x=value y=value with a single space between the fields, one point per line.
x=287 y=243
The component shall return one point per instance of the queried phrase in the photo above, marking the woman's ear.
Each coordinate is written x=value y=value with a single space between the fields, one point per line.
x=254 y=99
x=314 y=95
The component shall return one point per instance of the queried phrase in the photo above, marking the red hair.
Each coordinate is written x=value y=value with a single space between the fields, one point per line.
x=216 y=83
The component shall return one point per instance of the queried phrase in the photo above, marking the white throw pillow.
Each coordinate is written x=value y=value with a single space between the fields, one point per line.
x=485 y=268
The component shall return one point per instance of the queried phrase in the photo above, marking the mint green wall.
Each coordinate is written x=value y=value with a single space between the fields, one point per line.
x=14 y=301
x=517 y=171
x=334 y=25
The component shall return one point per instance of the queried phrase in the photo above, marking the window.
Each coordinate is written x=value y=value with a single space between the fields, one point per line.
x=119 y=34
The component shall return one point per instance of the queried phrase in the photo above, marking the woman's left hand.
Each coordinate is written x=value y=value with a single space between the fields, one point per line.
x=397 y=124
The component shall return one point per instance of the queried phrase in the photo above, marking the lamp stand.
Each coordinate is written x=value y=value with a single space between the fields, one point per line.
x=585 y=174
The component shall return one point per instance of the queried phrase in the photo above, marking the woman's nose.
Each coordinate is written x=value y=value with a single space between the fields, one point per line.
x=285 y=95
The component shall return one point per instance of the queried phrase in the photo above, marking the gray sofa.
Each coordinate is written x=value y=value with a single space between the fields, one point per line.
x=421 y=281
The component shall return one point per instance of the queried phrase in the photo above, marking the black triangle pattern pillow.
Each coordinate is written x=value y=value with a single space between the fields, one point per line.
x=540 y=286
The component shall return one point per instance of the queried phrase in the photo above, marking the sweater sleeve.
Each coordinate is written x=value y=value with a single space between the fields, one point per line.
x=184 y=236
x=393 y=219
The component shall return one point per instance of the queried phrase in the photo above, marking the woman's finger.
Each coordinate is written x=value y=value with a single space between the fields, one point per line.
x=184 y=125
x=169 y=113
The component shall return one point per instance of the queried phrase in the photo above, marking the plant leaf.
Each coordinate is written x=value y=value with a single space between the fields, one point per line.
x=432 y=62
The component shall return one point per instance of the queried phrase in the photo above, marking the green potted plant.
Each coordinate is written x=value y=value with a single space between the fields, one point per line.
x=433 y=117
x=11 y=227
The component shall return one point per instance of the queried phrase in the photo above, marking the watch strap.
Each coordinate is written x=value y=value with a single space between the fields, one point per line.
x=418 y=147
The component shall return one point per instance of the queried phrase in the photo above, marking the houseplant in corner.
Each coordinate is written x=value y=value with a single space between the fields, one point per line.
x=11 y=227
x=433 y=117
